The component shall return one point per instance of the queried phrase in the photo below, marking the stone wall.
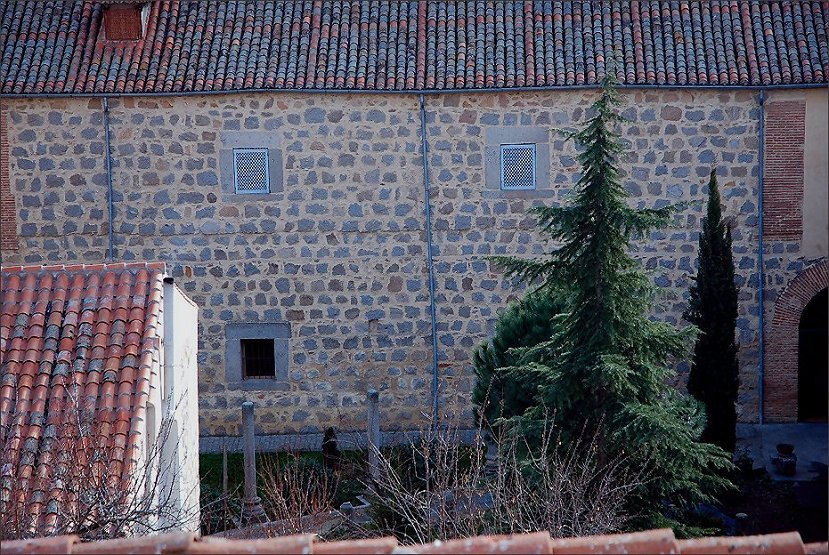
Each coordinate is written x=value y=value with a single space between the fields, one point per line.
x=340 y=251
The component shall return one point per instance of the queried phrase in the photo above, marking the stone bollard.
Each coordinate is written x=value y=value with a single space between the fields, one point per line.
x=252 y=512
x=491 y=457
x=372 y=402
x=741 y=523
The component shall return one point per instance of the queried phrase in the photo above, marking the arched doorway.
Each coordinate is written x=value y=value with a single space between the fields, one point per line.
x=782 y=350
x=813 y=360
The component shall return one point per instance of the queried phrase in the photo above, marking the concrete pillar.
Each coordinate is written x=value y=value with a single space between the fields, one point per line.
x=252 y=511
x=372 y=402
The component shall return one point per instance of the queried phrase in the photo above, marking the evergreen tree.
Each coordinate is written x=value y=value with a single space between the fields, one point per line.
x=712 y=308
x=605 y=368
x=524 y=323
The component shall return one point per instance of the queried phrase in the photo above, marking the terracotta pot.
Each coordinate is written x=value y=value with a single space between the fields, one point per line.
x=785 y=449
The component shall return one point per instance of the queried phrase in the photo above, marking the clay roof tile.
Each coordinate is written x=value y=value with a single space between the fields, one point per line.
x=43 y=351
x=769 y=544
x=651 y=541
x=391 y=45
x=57 y=544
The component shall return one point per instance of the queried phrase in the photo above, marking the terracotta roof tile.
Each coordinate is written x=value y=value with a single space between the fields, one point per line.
x=524 y=543
x=378 y=546
x=57 y=47
x=653 y=541
x=63 y=349
x=57 y=544
x=166 y=543
x=300 y=544
x=817 y=548
x=789 y=542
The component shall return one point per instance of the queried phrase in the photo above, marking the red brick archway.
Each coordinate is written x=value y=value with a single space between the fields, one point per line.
x=780 y=380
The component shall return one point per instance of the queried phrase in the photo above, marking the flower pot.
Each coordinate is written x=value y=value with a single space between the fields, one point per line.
x=785 y=449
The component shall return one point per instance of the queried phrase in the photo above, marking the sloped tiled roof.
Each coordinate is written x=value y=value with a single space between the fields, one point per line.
x=651 y=542
x=73 y=339
x=57 y=47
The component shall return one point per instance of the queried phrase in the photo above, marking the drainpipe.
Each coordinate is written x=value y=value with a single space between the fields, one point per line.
x=760 y=273
x=429 y=260
x=109 y=177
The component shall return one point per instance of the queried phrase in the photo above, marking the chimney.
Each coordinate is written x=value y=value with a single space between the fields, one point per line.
x=123 y=21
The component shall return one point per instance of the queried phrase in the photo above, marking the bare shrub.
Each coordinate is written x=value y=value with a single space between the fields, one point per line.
x=219 y=511
x=438 y=489
x=83 y=477
x=297 y=493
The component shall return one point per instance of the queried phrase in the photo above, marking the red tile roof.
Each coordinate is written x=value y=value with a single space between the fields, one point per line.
x=74 y=340
x=58 y=47
x=650 y=542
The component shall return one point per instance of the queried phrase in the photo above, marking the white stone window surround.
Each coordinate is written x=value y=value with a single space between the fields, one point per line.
x=279 y=332
x=232 y=142
x=496 y=137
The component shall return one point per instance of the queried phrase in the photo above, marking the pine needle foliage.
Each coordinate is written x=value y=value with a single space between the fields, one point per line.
x=605 y=367
x=714 y=378
x=524 y=323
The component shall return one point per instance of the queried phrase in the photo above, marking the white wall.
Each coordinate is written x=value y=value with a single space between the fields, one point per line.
x=180 y=383
x=816 y=178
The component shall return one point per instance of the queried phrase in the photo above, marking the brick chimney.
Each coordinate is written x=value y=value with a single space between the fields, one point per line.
x=124 y=21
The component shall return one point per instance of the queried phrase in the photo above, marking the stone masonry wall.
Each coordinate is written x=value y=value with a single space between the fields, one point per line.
x=340 y=252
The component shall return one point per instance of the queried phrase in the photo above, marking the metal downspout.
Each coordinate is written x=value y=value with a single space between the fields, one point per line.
x=760 y=273
x=429 y=260
x=109 y=178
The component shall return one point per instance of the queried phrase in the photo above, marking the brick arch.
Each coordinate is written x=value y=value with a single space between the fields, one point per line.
x=780 y=375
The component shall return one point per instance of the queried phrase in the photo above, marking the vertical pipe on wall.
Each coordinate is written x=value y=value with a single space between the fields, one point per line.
x=760 y=274
x=429 y=261
x=109 y=178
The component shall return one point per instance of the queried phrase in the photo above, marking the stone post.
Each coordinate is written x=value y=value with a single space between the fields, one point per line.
x=372 y=402
x=491 y=457
x=252 y=511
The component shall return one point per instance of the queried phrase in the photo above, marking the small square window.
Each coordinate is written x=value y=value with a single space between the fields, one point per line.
x=518 y=166
x=258 y=359
x=250 y=170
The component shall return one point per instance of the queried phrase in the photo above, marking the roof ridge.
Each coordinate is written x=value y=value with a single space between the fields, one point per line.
x=96 y=267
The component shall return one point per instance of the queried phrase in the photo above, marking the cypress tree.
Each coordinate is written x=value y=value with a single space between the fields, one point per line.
x=604 y=370
x=712 y=308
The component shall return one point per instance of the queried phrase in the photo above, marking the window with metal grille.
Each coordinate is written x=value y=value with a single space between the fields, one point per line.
x=518 y=166
x=250 y=170
x=258 y=359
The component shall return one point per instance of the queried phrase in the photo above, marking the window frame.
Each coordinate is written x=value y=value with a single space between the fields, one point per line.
x=504 y=148
x=277 y=331
x=241 y=150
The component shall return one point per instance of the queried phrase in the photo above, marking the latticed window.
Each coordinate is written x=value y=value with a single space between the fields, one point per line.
x=250 y=170
x=518 y=166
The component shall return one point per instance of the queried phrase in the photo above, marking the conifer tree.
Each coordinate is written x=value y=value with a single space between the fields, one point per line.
x=712 y=308
x=604 y=369
x=524 y=323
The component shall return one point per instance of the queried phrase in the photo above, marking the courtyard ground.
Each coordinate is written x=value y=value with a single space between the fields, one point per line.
x=777 y=503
